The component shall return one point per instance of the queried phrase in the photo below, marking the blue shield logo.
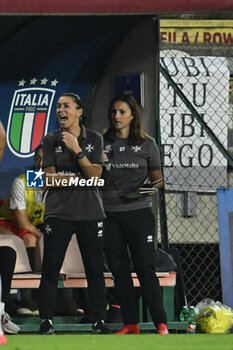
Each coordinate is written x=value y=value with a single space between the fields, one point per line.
x=28 y=119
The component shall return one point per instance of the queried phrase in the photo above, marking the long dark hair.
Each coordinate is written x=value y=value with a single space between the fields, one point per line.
x=136 y=132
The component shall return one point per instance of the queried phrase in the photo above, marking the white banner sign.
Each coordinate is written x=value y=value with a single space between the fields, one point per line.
x=192 y=162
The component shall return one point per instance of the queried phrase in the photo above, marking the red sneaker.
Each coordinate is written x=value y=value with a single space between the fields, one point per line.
x=3 y=339
x=162 y=328
x=129 y=329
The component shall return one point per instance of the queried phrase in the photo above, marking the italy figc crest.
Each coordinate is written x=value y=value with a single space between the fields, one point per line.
x=28 y=119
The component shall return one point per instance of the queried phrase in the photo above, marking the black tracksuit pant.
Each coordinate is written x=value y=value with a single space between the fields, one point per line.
x=133 y=230
x=7 y=266
x=56 y=239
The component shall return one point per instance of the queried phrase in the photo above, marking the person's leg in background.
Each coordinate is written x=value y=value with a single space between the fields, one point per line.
x=26 y=306
x=114 y=314
x=7 y=266
x=29 y=238
x=68 y=305
x=30 y=244
x=26 y=294
x=29 y=305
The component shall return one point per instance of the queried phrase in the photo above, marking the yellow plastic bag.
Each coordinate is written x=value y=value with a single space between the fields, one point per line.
x=213 y=317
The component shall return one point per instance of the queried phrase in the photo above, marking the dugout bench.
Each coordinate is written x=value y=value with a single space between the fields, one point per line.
x=167 y=281
x=72 y=276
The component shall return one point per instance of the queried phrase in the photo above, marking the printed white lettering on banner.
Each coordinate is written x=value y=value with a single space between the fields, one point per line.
x=32 y=100
x=204 y=81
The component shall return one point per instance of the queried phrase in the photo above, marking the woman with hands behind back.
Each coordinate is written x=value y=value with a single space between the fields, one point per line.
x=131 y=159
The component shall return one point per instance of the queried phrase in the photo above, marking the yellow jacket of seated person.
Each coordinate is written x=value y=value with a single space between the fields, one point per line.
x=35 y=211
